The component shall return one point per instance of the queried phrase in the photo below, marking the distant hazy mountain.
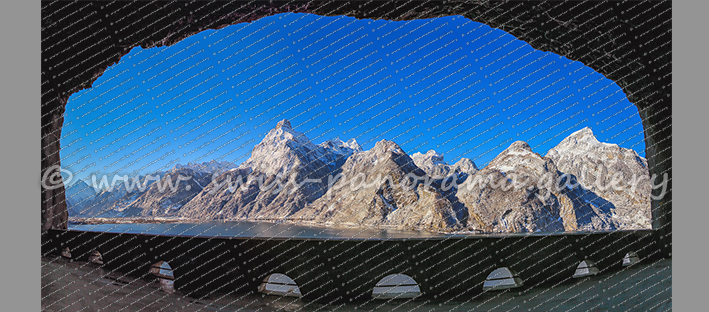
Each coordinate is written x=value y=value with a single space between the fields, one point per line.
x=208 y=167
x=145 y=197
x=175 y=189
x=77 y=195
x=112 y=202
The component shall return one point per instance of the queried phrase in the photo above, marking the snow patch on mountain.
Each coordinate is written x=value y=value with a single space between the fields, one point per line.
x=208 y=167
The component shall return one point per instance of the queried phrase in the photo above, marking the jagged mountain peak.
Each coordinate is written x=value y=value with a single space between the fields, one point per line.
x=283 y=133
x=279 y=149
x=432 y=163
x=432 y=156
x=583 y=139
x=385 y=153
x=519 y=156
x=596 y=165
x=585 y=134
x=353 y=144
x=466 y=165
x=583 y=142
x=284 y=148
x=519 y=146
x=585 y=131
x=387 y=146
x=340 y=147
x=518 y=149
x=285 y=123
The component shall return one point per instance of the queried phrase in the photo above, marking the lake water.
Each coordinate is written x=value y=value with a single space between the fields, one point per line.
x=254 y=229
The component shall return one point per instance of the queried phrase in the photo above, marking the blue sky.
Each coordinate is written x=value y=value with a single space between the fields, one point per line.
x=449 y=84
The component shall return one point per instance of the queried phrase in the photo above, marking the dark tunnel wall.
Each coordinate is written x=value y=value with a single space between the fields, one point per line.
x=336 y=271
x=629 y=42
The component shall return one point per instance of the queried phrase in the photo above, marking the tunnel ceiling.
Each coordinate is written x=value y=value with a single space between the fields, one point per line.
x=629 y=42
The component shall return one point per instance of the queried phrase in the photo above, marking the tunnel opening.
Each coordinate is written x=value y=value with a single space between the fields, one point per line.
x=630 y=258
x=396 y=286
x=164 y=276
x=278 y=284
x=502 y=278
x=586 y=268
x=635 y=70
x=177 y=107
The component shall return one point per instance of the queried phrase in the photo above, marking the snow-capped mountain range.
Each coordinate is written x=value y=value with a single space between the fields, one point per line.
x=290 y=178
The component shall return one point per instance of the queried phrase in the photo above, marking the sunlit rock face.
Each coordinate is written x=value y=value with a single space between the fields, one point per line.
x=381 y=187
x=434 y=165
x=284 y=173
x=446 y=178
x=520 y=191
x=595 y=165
x=499 y=199
x=432 y=162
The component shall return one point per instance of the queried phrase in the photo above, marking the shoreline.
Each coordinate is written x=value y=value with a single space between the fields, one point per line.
x=350 y=226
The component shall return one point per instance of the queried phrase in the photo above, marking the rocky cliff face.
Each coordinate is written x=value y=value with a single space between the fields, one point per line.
x=446 y=178
x=519 y=191
x=285 y=172
x=435 y=166
x=498 y=198
x=382 y=186
x=595 y=165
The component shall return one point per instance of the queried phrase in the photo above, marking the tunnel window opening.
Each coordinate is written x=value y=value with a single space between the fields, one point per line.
x=502 y=278
x=630 y=259
x=396 y=286
x=165 y=276
x=468 y=93
x=586 y=268
x=278 y=284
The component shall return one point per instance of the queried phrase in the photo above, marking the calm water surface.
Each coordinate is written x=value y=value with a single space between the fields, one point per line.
x=253 y=229
x=281 y=230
